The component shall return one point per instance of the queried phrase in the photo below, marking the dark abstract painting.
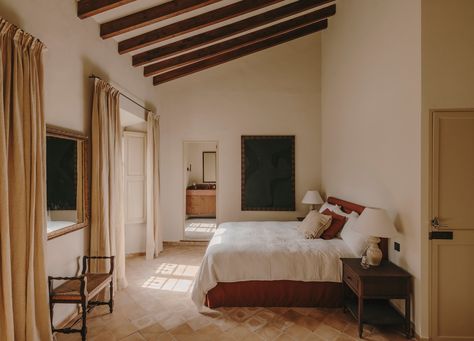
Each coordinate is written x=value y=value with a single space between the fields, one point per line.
x=268 y=173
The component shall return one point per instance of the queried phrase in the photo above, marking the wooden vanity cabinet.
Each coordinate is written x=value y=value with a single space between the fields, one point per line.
x=201 y=202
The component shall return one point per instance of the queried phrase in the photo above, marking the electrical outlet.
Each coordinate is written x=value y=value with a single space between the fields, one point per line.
x=396 y=246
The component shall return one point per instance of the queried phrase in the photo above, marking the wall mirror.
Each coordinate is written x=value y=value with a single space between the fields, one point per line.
x=209 y=167
x=66 y=181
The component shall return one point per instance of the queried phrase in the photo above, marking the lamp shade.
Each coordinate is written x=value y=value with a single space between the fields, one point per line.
x=313 y=198
x=375 y=222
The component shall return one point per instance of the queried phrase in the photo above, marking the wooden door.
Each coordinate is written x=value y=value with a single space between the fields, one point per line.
x=452 y=231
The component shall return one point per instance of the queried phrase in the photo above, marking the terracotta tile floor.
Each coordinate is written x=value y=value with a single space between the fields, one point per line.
x=156 y=306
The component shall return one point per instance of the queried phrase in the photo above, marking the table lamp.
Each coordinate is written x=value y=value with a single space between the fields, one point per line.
x=312 y=198
x=376 y=224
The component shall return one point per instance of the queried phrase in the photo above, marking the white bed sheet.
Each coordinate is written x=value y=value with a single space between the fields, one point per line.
x=266 y=251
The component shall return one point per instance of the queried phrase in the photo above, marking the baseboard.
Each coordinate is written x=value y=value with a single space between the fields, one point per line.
x=187 y=243
x=135 y=254
x=201 y=217
x=419 y=338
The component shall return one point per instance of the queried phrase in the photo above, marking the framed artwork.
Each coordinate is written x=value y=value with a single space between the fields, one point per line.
x=268 y=173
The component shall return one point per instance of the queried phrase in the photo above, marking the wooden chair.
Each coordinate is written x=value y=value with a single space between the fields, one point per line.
x=81 y=290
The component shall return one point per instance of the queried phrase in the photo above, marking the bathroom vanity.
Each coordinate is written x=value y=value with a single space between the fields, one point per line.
x=201 y=200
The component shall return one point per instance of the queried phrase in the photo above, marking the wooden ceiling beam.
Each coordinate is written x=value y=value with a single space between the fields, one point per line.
x=232 y=44
x=231 y=29
x=191 y=24
x=88 y=8
x=150 y=16
x=244 y=51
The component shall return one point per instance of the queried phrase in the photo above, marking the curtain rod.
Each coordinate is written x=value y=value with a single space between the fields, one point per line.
x=122 y=94
x=15 y=27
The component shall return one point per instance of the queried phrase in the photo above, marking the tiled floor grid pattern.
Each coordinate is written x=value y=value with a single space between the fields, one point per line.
x=156 y=306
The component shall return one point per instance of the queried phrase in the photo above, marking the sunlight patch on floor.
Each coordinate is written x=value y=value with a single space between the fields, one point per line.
x=168 y=284
x=172 y=277
x=200 y=228
x=180 y=270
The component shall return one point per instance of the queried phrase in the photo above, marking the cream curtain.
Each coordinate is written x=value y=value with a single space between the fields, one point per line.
x=154 y=239
x=107 y=237
x=24 y=312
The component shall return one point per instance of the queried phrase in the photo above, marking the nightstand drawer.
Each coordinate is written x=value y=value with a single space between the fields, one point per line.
x=351 y=279
x=383 y=287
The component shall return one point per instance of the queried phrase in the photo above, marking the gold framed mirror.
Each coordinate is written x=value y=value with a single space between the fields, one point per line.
x=209 y=167
x=66 y=181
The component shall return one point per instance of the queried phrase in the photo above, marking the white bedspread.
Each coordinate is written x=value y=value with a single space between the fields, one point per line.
x=272 y=250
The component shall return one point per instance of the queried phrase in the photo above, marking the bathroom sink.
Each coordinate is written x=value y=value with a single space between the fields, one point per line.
x=202 y=186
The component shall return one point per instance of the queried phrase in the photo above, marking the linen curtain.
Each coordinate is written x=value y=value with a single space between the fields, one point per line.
x=24 y=311
x=154 y=239
x=107 y=236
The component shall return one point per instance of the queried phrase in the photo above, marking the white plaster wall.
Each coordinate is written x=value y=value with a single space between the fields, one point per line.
x=273 y=92
x=371 y=105
x=75 y=50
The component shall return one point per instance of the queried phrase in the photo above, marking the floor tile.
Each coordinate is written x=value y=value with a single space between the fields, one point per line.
x=156 y=307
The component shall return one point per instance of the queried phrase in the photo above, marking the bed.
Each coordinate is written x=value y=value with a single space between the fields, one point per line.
x=270 y=264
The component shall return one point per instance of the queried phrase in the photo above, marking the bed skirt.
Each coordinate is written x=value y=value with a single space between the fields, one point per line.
x=276 y=294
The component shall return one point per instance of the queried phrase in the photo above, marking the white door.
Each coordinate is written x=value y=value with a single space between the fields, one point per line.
x=452 y=231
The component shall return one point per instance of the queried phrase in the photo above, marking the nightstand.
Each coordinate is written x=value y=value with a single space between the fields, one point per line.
x=367 y=293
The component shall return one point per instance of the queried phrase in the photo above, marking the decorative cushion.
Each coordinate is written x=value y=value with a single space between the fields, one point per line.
x=314 y=224
x=339 y=211
x=336 y=226
x=328 y=206
x=357 y=241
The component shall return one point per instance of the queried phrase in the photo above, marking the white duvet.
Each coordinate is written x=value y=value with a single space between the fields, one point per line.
x=266 y=251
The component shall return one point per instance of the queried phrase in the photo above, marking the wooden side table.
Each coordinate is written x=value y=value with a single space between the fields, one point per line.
x=367 y=293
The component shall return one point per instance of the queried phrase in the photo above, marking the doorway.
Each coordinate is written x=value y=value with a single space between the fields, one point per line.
x=452 y=227
x=200 y=189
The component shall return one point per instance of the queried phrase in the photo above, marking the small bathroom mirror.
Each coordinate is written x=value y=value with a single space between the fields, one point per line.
x=209 y=167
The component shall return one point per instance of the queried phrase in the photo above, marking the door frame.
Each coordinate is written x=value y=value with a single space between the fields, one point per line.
x=184 y=185
x=427 y=221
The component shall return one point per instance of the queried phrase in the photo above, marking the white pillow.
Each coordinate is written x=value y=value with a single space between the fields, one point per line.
x=339 y=211
x=356 y=241
x=328 y=206
x=314 y=224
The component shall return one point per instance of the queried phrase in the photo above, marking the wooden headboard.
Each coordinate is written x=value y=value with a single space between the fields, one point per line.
x=349 y=207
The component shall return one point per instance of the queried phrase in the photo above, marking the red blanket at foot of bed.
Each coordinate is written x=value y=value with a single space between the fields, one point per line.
x=276 y=294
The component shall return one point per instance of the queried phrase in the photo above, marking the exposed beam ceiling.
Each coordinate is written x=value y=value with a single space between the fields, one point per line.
x=172 y=39
x=88 y=8
x=150 y=16
x=231 y=29
x=244 y=51
x=233 y=44
x=193 y=24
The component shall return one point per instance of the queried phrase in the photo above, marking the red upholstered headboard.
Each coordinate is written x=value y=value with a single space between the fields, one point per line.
x=349 y=207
